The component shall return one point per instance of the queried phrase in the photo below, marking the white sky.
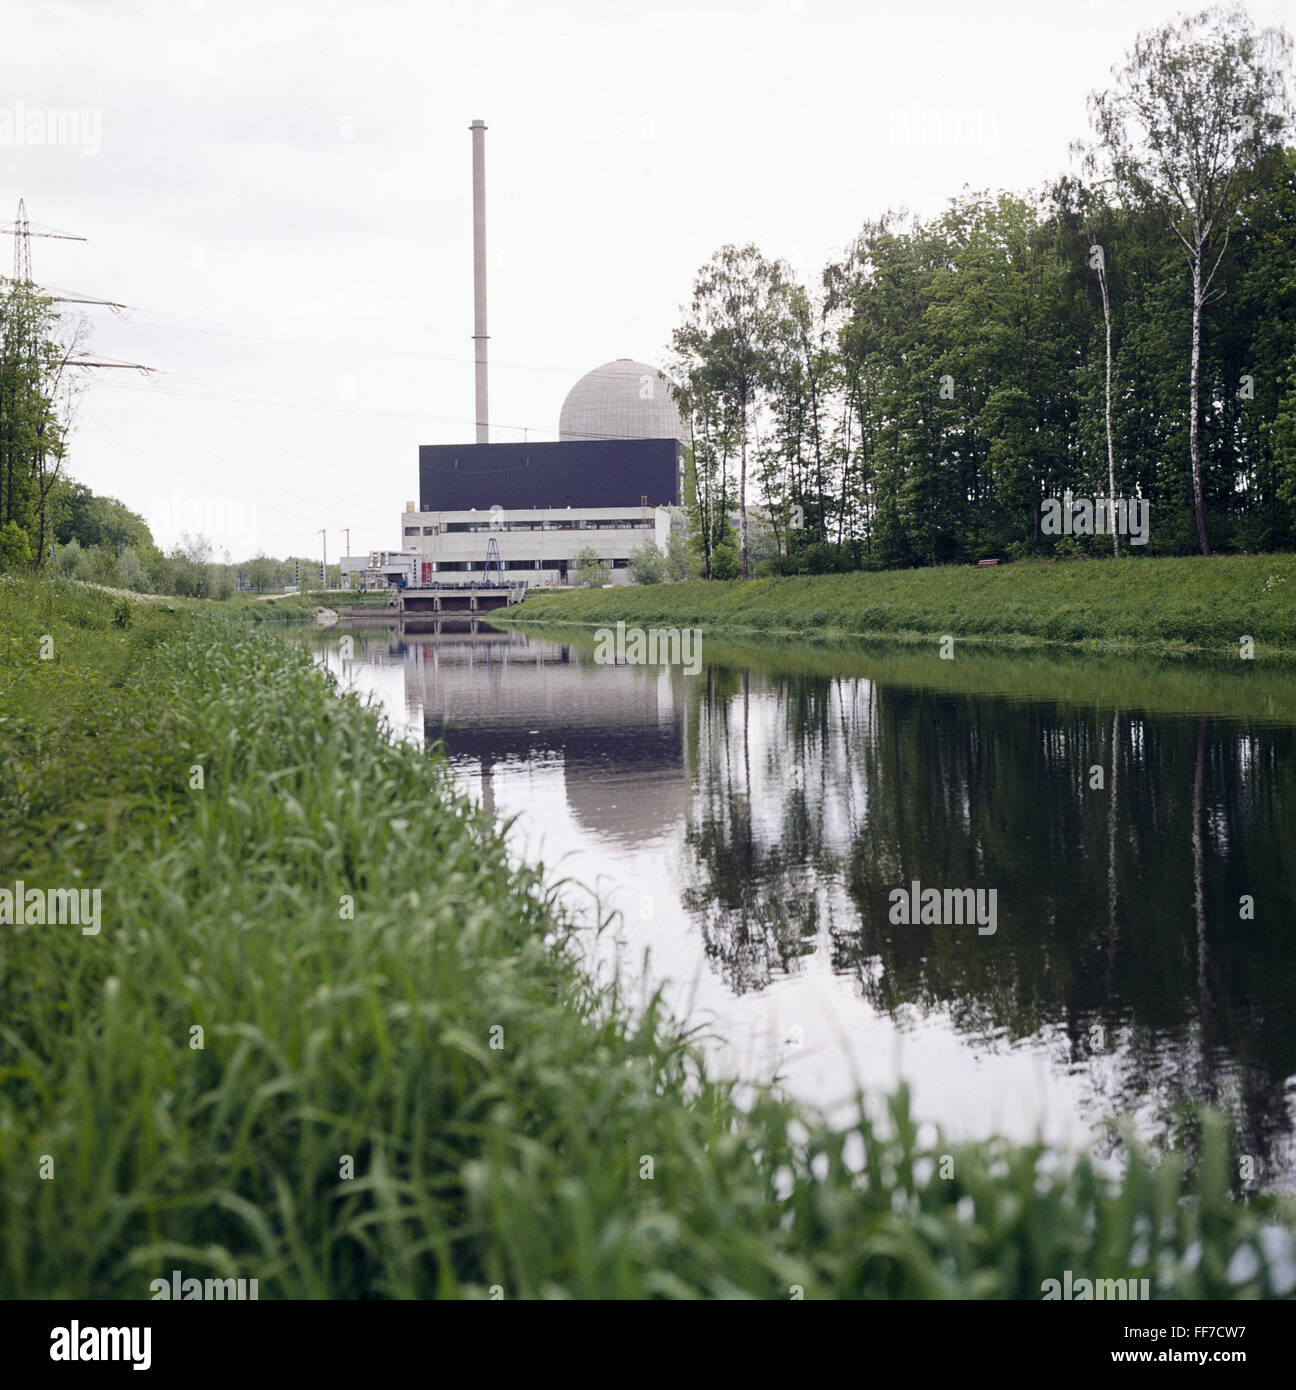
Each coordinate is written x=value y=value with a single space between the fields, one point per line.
x=281 y=190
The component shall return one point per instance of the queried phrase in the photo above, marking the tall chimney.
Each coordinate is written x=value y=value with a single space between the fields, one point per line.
x=478 y=129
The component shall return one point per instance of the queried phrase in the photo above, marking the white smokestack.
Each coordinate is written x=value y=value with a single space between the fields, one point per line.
x=478 y=129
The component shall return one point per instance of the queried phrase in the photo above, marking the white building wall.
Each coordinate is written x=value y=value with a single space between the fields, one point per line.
x=533 y=544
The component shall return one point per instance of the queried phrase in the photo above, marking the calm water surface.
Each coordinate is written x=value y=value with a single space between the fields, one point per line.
x=748 y=824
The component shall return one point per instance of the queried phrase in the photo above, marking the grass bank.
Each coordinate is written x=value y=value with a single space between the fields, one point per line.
x=329 y=1039
x=1158 y=604
x=1191 y=684
x=301 y=607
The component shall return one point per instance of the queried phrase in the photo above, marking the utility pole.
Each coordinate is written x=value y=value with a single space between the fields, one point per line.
x=324 y=571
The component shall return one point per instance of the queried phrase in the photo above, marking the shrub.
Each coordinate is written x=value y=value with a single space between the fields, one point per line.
x=648 y=564
x=15 y=547
x=724 y=560
x=132 y=574
x=588 y=569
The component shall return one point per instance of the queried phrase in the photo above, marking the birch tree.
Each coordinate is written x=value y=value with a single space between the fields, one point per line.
x=727 y=333
x=1191 y=112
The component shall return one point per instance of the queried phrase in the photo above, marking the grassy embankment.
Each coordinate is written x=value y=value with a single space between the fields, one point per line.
x=522 y=1165
x=301 y=607
x=1191 y=683
x=1158 y=604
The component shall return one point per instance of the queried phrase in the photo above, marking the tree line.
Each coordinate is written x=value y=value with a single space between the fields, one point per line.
x=99 y=540
x=50 y=520
x=37 y=396
x=1127 y=331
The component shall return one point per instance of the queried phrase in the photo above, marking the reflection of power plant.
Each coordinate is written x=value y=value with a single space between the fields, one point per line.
x=616 y=732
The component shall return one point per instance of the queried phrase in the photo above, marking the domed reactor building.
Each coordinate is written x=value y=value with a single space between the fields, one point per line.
x=610 y=482
x=620 y=400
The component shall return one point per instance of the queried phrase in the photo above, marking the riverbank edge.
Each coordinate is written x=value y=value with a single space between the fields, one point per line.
x=520 y=1167
x=1177 y=685
x=1167 y=606
x=1009 y=642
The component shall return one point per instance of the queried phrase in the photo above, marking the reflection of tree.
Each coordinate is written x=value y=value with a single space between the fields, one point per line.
x=750 y=926
x=1118 y=924
x=1199 y=904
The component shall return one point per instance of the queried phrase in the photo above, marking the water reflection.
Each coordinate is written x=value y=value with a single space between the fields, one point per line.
x=750 y=824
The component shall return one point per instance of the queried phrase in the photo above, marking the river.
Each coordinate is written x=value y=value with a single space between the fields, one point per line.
x=758 y=832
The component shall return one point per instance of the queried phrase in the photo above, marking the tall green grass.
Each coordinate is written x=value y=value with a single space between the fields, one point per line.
x=586 y=1154
x=1155 y=603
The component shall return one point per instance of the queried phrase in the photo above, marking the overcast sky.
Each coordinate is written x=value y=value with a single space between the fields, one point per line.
x=281 y=191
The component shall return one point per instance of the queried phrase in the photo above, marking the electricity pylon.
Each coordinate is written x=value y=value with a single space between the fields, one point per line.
x=20 y=230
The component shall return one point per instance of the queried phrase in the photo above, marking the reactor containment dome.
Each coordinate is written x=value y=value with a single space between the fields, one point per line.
x=620 y=400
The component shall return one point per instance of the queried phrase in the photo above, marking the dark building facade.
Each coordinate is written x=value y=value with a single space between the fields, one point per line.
x=569 y=473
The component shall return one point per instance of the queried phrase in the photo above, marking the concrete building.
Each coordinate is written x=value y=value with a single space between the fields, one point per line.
x=352 y=568
x=390 y=569
x=609 y=483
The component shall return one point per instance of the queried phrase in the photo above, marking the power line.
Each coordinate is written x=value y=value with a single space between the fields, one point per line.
x=109 y=362
x=75 y=297
x=234 y=395
x=249 y=333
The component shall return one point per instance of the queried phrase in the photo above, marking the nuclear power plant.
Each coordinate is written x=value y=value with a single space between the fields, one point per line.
x=610 y=482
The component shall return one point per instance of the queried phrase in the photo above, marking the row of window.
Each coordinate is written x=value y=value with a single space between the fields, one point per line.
x=460 y=527
x=474 y=566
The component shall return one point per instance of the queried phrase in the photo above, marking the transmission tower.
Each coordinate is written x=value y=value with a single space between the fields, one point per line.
x=20 y=230
x=22 y=246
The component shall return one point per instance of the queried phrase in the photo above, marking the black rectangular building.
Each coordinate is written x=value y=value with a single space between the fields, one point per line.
x=563 y=473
